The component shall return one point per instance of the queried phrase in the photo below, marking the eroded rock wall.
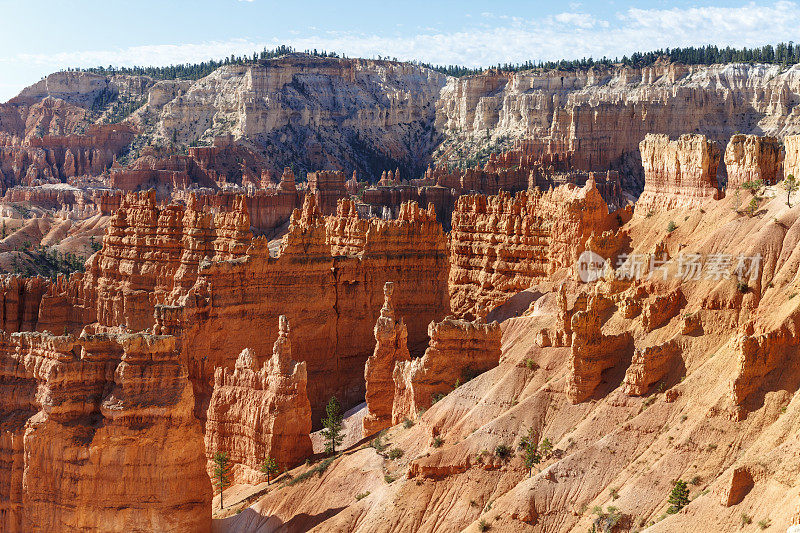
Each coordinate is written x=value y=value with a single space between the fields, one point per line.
x=260 y=409
x=678 y=173
x=599 y=116
x=501 y=245
x=328 y=279
x=753 y=158
x=458 y=351
x=99 y=435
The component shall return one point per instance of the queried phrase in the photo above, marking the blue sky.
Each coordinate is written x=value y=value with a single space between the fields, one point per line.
x=38 y=37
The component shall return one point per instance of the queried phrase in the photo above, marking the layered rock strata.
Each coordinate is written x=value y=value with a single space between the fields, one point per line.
x=458 y=351
x=678 y=174
x=150 y=252
x=99 y=435
x=597 y=117
x=331 y=274
x=503 y=244
x=750 y=158
x=391 y=348
x=260 y=410
x=329 y=188
x=791 y=164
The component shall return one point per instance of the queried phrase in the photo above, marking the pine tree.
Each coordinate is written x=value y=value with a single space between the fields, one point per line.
x=269 y=467
x=679 y=497
x=532 y=456
x=789 y=183
x=222 y=473
x=333 y=426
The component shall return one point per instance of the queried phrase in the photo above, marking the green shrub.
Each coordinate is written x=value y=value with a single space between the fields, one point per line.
x=503 y=451
x=395 y=453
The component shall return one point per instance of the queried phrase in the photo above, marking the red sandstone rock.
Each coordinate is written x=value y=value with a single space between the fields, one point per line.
x=739 y=484
x=502 y=245
x=758 y=356
x=151 y=251
x=662 y=309
x=752 y=158
x=108 y=443
x=592 y=352
x=259 y=410
x=391 y=347
x=680 y=173
x=328 y=279
x=649 y=366
x=52 y=158
x=328 y=187
x=458 y=351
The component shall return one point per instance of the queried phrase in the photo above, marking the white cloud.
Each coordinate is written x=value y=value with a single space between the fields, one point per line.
x=565 y=35
x=581 y=20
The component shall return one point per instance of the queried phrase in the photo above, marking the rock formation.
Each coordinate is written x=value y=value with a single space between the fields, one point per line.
x=791 y=164
x=458 y=351
x=661 y=309
x=260 y=410
x=328 y=187
x=149 y=252
x=330 y=273
x=373 y=114
x=680 y=173
x=592 y=352
x=502 y=245
x=100 y=436
x=597 y=117
x=649 y=366
x=752 y=158
x=391 y=347
x=758 y=356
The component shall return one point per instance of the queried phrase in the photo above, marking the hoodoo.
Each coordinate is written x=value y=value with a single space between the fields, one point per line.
x=260 y=410
x=391 y=338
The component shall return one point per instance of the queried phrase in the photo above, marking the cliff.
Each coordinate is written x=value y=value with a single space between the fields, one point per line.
x=260 y=412
x=100 y=436
x=680 y=173
x=753 y=158
x=598 y=117
x=328 y=279
x=149 y=252
x=502 y=245
x=368 y=116
x=458 y=351
x=316 y=113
